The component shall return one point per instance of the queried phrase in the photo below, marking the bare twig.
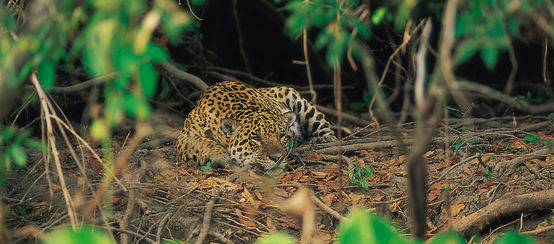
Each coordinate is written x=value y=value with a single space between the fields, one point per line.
x=348 y=117
x=241 y=41
x=391 y=57
x=544 y=61
x=445 y=61
x=326 y=208
x=513 y=70
x=307 y=63
x=490 y=93
x=536 y=154
x=161 y=226
x=51 y=140
x=539 y=231
x=192 y=11
x=96 y=156
x=206 y=221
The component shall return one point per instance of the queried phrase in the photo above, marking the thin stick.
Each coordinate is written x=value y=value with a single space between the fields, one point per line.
x=206 y=221
x=50 y=134
x=241 y=41
x=307 y=63
x=447 y=42
x=108 y=170
x=192 y=12
x=544 y=66
x=326 y=208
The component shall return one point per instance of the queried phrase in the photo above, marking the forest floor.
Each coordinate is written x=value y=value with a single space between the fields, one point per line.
x=472 y=164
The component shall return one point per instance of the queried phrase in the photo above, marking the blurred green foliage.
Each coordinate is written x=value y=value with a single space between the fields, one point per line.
x=363 y=226
x=82 y=235
x=108 y=38
x=486 y=26
x=342 y=26
x=12 y=148
x=276 y=238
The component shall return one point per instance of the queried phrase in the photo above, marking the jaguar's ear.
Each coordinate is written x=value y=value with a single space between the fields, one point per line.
x=288 y=118
x=229 y=126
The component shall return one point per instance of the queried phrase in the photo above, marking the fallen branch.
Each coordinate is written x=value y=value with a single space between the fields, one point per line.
x=80 y=86
x=505 y=206
x=352 y=147
x=352 y=119
x=184 y=75
x=536 y=154
x=490 y=93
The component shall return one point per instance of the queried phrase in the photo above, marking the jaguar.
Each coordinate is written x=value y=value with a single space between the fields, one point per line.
x=233 y=123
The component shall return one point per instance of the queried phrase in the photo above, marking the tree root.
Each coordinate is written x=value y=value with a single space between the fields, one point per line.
x=505 y=206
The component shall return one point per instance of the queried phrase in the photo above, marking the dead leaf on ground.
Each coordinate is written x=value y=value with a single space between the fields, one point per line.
x=480 y=191
x=269 y=224
x=445 y=163
x=246 y=194
x=456 y=209
x=435 y=190
x=393 y=207
x=377 y=198
x=467 y=171
x=249 y=224
x=319 y=174
x=289 y=222
x=208 y=183
x=226 y=183
x=545 y=163
x=280 y=192
x=361 y=152
x=328 y=199
x=313 y=156
x=258 y=195
x=327 y=237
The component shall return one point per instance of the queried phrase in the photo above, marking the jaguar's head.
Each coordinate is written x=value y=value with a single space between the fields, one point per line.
x=261 y=138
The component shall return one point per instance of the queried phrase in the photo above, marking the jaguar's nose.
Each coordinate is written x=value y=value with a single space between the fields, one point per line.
x=275 y=156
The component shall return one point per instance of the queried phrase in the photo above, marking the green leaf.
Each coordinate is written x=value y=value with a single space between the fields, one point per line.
x=361 y=226
x=489 y=55
x=358 y=105
x=114 y=110
x=7 y=134
x=450 y=237
x=137 y=107
x=99 y=129
x=18 y=155
x=207 y=167
x=82 y=235
x=46 y=73
x=457 y=145
x=511 y=237
x=156 y=52
x=403 y=13
x=148 y=79
x=276 y=238
x=25 y=70
x=466 y=50
x=364 y=184
x=378 y=15
x=366 y=96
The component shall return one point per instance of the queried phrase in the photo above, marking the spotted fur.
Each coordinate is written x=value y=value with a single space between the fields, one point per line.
x=234 y=123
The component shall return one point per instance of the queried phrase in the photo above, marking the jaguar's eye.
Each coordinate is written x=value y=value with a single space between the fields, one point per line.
x=257 y=139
